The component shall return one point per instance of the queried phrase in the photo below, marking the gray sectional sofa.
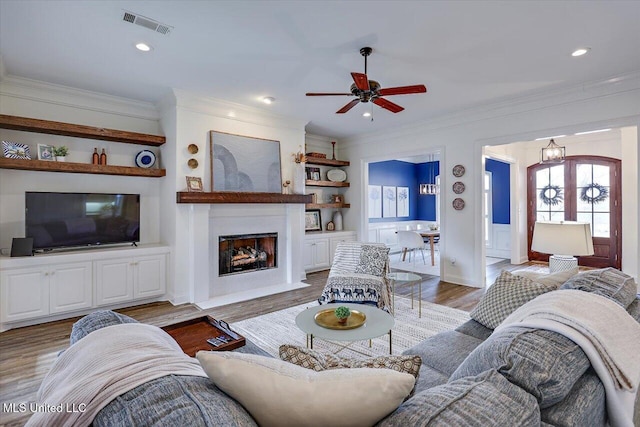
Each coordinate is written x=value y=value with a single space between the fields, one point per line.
x=469 y=377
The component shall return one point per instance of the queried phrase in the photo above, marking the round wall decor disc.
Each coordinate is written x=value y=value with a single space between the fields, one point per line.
x=145 y=159
x=458 y=171
x=458 y=187
x=458 y=204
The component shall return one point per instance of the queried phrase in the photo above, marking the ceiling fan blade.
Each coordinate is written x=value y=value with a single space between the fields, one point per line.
x=348 y=107
x=361 y=81
x=387 y=105
x=328 y=94
x=402 y=90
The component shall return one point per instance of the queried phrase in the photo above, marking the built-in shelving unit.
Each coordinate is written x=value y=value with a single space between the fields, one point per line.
x=238 y=197
x=331 y=184
x=79 y=131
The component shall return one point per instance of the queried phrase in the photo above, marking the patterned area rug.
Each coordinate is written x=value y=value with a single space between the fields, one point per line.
x=271 y=330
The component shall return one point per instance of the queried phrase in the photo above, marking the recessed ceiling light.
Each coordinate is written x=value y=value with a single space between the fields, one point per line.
x=581 y=51
x=231 y=114
x=366 y=114
x=143 y=47
x=268 y=100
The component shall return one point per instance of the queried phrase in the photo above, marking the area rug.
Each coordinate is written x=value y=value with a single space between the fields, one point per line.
x=271 y=330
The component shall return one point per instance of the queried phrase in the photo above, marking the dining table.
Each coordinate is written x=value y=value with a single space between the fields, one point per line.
x=431 y=234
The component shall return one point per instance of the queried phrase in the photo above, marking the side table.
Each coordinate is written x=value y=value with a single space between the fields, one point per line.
x=405 y=278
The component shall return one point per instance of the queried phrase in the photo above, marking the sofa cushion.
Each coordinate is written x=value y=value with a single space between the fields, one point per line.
x=321 y=361
x=634 y=309
x=583 y=406
x=174 y=401
x=608 y=282
x=544 y=363
x=97 y=320
x=557 y=278
x=445 y=351
x=373 y=260
x=474 y=329
x=506 y=294
x=278 y=393
x=484 y=400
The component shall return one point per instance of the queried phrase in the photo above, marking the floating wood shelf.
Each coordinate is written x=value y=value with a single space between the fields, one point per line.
x=326 y=183
x=326 y=162
x=79 y=131
x=236 y=197
x=69 y=167
x=327 y=205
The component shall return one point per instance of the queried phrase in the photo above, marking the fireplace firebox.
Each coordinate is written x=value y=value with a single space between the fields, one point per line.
x=243 y=253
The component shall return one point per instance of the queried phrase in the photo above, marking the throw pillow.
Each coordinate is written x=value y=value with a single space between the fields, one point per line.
x=506 y=294
x=556 y=279
x=321 y=361
x=373 y=260
x=486 y=400
x=544 y=363
x=608 y=282
x=278 y=393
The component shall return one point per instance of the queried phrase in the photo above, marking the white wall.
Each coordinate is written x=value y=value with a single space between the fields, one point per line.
x=26 y=98
x=461 y=138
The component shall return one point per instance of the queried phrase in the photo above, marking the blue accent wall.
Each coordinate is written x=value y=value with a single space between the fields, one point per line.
x=405 y=174
x=501 y=186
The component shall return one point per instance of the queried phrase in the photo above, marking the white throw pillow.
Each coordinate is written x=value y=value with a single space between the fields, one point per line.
x=278 y=393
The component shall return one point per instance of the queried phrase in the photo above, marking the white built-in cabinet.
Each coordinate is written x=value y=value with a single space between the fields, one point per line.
x=64 y=284
x=319 y=248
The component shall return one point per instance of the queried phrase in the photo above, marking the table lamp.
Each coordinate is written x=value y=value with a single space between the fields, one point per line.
x=563 y=239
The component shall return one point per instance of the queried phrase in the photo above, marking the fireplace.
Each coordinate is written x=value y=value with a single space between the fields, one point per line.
x=242 y=253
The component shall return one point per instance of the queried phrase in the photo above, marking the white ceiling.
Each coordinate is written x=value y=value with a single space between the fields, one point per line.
x=467 y=53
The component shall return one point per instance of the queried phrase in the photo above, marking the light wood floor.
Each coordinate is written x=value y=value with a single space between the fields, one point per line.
x=26 y=354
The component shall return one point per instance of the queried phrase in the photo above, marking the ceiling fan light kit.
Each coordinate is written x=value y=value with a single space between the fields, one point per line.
x=366 y=90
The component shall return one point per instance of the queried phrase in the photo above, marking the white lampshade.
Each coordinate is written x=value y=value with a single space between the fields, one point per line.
x=562 y=238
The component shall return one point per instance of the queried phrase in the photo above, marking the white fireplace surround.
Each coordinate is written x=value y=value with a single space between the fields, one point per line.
x=212 y=290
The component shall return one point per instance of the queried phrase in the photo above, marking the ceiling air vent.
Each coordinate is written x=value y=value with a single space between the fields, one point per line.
x=145 y=22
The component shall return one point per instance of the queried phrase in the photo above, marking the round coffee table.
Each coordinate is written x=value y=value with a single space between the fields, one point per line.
x=404 y=278
x=377 y=323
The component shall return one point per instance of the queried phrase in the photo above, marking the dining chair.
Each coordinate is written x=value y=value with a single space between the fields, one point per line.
x=409 y=241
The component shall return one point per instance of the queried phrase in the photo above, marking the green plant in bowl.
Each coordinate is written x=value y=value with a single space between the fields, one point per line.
x=60 y=151
x=342 y=313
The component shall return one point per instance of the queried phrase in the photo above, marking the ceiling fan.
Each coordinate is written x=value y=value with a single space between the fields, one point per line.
x=370 y=90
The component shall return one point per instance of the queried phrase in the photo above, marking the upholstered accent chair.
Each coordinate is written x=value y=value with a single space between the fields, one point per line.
x=359 y=275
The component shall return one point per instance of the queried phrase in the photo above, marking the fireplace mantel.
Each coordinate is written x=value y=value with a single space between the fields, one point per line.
x=238 y=197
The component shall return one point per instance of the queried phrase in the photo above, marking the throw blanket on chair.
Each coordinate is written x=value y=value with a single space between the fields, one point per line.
x=607 y=334
x=102 y=366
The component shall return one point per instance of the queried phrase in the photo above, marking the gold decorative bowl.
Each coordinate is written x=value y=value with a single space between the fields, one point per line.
x=327 y=319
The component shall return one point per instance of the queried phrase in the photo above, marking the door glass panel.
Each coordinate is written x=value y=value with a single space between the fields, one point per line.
x=543 y=216
x=550 y=190
x=592 y=197
x=557 y=216
x=542 y=178
x=601 y=223
x=601 y=175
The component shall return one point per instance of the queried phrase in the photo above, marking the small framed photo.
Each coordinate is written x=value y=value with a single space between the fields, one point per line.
x=14 y=150
x=312 y=220
x=194 y=183
x=336 y=198
x=45 y=152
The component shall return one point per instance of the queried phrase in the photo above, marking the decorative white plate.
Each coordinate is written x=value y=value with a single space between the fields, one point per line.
x=145 y=159
x=458 y=187
x=336 y=175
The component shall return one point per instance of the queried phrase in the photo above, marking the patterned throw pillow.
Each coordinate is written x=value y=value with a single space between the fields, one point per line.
x=321 y=361
x=373 y=260
x=608 y=282
x=507 y=294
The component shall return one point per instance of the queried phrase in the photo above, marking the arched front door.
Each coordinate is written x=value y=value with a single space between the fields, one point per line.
x=585 y=189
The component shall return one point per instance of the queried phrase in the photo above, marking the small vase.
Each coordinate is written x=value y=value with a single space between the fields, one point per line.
x=298 y=178
x=343 y=321
x=61 y=158
x=337 y=220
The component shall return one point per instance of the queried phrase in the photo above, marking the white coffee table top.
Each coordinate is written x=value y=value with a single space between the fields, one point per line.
x=378 y=323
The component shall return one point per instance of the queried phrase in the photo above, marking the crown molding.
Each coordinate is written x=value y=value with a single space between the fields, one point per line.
x=232 y=111
x=611 y=86
x=39 y=91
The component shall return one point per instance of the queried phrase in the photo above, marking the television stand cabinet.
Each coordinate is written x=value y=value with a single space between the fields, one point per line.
x=62 y=284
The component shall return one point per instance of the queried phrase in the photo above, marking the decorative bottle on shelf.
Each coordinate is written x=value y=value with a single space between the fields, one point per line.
x=337 y=220
x=95 y=160
x=103 y=158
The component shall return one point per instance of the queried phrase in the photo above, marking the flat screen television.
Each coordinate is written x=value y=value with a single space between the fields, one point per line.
x=64 y=220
